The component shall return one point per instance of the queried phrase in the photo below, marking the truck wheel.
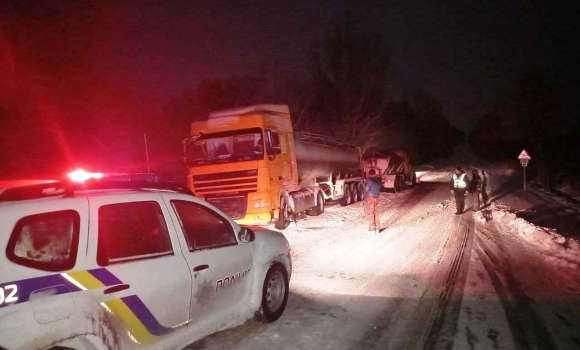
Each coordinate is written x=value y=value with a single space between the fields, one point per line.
x=361 y=191
x=396 y=185
x=414 y=179
x=283 y=221
x=319 y=208
x=347 y=197
x=274 y=294
x=354 y=193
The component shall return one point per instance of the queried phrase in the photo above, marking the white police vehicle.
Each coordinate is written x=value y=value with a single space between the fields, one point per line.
x=126 y=263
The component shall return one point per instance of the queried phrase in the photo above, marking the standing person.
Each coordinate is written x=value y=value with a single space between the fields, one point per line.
x=372 y=193
x=459 y=185
x=484 y=195
x=475 y=189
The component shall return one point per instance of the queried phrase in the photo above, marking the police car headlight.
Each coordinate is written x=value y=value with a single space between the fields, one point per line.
x=261 y=205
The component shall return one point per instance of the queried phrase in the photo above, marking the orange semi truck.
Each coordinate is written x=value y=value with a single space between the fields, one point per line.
x=250 y=163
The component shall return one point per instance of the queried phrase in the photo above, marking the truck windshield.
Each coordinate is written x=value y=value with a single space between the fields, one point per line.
x=226 y=147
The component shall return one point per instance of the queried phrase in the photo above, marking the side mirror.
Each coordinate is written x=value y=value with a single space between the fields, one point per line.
x=246 y=235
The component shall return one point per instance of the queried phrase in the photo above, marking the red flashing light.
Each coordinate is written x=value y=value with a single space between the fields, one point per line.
x=81 y=175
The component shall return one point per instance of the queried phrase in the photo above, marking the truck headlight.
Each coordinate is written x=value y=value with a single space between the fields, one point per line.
x=261 y=205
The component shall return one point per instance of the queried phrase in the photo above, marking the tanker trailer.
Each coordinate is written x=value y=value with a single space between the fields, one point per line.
x=249 y=163
x=330 y=164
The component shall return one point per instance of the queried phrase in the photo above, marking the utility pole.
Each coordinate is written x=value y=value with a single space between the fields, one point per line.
x=146 y=152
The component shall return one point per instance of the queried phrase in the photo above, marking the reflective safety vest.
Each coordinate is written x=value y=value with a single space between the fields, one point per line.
x=459 y=182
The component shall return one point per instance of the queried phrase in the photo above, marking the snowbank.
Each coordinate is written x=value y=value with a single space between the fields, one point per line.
x=561 y=250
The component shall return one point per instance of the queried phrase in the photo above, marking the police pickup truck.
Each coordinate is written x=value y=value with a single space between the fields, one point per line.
x=129 y=263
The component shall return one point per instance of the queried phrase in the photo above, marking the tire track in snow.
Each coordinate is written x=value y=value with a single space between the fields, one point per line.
x=432 y=246
x=444 y=319
x=528 y=328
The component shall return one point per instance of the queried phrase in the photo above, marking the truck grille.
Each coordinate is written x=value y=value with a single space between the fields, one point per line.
x=234 y=206
x=224 y=183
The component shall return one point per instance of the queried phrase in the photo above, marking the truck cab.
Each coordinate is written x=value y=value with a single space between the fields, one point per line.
x=241 y=160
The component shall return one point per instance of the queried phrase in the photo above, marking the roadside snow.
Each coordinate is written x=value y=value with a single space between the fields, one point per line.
x=561 y=250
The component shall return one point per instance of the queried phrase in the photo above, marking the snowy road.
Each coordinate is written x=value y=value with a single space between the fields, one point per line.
x=429 y=280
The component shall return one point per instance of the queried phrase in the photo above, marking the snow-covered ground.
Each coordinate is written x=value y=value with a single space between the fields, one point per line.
x=493 y=279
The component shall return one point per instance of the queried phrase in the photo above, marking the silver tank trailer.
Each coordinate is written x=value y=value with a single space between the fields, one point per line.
x=318 y=156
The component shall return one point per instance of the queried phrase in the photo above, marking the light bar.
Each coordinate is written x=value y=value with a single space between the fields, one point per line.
x=81 y=175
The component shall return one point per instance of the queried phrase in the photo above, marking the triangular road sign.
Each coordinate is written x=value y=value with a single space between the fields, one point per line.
x=524 y=155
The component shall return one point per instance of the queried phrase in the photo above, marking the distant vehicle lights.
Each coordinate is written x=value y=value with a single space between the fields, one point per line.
x=80 y=176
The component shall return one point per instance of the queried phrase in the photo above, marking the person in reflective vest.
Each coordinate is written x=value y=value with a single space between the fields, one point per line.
x=372 y=192
x=459 y=186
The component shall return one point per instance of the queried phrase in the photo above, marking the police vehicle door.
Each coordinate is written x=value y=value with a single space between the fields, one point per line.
x=140 y=274
x=221 y=266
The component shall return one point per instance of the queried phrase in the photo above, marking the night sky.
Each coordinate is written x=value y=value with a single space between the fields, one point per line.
x=128 y=58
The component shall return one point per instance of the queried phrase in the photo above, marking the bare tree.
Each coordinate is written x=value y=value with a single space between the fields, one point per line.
x=351 y=83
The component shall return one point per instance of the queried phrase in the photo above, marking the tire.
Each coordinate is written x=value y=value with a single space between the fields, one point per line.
x=347 y=198
x=396 y=185
x=274 y=294
x=361 y=191
x=283 y=220
x=414 y=179
x=354 y=193
x=319 y=208
x=401 y=184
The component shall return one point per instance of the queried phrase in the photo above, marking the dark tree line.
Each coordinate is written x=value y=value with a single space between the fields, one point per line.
x=531 y=114
x=350 y=94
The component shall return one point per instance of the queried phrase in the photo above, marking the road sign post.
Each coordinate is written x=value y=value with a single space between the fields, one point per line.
x=524 y=158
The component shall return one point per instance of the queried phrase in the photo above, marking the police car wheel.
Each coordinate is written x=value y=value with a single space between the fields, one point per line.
x=274 y=294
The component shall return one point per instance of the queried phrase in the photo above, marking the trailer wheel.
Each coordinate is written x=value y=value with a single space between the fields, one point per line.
x=398 y=187
x=319 y=208
x=282 y=221
x=347 y=197
x=354 y=193
x=361 y=191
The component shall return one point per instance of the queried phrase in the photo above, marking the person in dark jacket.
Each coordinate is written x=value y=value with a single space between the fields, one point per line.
x=459 y=187
x=372 y=192
x=475 y=189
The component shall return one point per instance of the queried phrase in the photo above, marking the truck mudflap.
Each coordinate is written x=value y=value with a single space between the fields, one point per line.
x=302 y=200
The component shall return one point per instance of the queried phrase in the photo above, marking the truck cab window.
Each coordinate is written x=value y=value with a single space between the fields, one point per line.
x=226 y=147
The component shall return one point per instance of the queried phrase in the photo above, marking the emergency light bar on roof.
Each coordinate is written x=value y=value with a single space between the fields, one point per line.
x=103 y=182
x=275 y=109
